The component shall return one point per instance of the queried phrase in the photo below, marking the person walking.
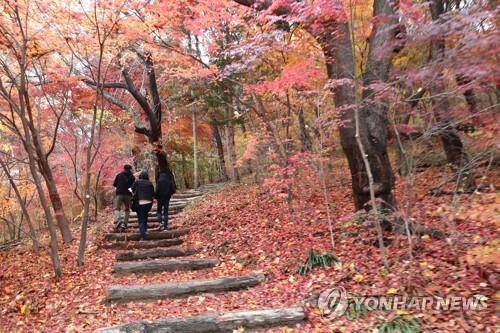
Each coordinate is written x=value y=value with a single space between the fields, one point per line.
x=123 y=196
x=165 y=188
x=144 y=192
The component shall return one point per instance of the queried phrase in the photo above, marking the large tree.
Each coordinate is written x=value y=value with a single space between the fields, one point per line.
x=334 y=36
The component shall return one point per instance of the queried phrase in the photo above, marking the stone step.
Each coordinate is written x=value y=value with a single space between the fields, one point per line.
x=164 y=265
x=123 y=293
x=156 y=253
x=155 y=235
x=216 y=322
x=142 y=244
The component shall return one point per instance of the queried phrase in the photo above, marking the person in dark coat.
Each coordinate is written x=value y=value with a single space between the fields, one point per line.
x=123 y=196
x=165 y=188
x=145 y=192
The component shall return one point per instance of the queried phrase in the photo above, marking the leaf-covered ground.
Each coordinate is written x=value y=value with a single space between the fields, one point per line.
x=252 y=230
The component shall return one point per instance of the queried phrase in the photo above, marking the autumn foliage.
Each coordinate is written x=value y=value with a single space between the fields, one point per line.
x=367 y=130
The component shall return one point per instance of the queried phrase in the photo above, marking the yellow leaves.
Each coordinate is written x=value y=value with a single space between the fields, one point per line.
x=5 y=147
x=427 y=273
x=391 y=291
x=37 y=51
x=25 y=309
x=484 y=254
x=358 y=278
x=402 y=312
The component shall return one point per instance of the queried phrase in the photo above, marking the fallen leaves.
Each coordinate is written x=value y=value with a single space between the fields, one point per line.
x=262 y=236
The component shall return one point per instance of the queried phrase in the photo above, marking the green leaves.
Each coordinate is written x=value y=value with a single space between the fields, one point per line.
x=316 y=260
x=400 y=325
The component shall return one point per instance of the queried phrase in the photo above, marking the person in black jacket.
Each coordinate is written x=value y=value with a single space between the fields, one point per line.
x=165 y=188
x=145 y=192
x=123 y=182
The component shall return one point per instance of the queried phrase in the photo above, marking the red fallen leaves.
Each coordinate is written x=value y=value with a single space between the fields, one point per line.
x=251 y=230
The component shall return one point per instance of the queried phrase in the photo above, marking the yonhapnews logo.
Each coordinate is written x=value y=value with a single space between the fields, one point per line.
x=335 y=302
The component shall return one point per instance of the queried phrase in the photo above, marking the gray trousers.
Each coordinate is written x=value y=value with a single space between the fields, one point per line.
x=122 y=201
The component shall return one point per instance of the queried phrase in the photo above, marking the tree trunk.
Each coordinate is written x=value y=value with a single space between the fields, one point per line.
x=403 y=166
x=220 y=149
x=334 y=38
x=195 y=152
x=46 y=172
x=54 y=256
x=231 y=155
x=22 y=203
x=372 y=118
x=455 y=152
x=57 y=204
x=305 y=139
x=88 y=165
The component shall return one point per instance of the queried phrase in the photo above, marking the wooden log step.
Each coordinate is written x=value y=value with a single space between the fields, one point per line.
x=152 y=213
x=154 y=218
x=224 y=322
x=142 y=244
x=135 y=220
x=124 y=293
x=187 y=195
x=157 y=253
x=164 y=265
x=168 y=234
x=151 y=225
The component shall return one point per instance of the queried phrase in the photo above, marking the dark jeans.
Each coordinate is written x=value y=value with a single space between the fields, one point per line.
x=142 y=216
x=162 y=212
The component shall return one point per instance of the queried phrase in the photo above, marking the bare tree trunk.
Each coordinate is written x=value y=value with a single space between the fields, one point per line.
x=46 y=172
x=403 y=168
x=57 y=205
x=196 y=183
x=220 y=149
x=231 y=154
x=305 y=139
x=456 y=154
x=54 y=256
x=22 y=203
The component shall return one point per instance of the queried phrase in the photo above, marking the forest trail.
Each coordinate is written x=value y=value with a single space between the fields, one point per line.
x=156 y=254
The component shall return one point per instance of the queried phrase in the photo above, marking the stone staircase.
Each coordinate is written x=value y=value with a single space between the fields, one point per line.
x=157 y=255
